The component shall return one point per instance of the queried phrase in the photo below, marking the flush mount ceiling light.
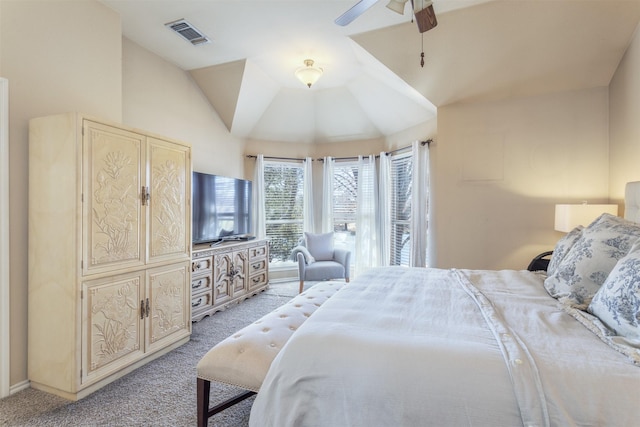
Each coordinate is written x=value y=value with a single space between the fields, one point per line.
x=308 y=74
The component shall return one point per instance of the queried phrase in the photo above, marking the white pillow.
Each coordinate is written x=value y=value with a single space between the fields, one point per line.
x=562 y=248
x=590 y=260
x=320 y=245
x=617 y=303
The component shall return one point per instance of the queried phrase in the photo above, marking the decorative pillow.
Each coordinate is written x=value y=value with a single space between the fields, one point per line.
x=562 y=248
x=617 y=303
x=320 y=245
x=590 y=260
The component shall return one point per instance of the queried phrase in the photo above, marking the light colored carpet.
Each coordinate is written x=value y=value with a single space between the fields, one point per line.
x=161 y=393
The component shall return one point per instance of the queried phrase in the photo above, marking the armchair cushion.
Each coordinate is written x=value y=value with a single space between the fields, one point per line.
x=324 y=270
x=320 y=245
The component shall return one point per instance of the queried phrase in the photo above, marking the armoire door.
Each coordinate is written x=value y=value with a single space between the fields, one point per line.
x=113 y=216
x=167 y=305
x=169 y=200
x=112 y=334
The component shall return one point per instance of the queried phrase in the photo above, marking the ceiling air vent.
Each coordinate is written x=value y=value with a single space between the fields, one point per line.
x=188 y=31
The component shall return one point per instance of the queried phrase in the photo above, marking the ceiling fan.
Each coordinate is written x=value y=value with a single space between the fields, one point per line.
x=422 y=10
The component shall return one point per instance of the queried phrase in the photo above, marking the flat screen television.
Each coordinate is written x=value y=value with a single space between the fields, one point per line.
x=221 y=208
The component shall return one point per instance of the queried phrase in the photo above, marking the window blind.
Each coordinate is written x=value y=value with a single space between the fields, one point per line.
x=401 y=177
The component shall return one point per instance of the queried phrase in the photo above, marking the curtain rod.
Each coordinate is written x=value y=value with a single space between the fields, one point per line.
x=253 y=156
x=427 y=142
x=388 y=153
x=321 y=159
x=423 y=143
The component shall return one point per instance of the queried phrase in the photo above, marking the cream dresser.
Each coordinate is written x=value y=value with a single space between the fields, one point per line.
x=109 y=251
x=227 y=274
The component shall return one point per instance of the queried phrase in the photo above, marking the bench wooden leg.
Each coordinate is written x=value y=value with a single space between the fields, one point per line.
x=301 y=286
x=203 y=392
x=204 y=387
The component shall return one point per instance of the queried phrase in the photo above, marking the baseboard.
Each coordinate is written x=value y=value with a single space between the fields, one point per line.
x=19 y=387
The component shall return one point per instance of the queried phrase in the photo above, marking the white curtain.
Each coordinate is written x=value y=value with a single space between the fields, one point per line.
x=308 y=224
x=419 y=204
x=327 y=195
x=366 y=239
x=384 y=211
x=259 y=214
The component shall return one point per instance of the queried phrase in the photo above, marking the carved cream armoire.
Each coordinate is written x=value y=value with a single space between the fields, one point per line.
x=109 y=251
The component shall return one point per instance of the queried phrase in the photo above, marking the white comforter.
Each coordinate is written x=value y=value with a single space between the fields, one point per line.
x=418 y=347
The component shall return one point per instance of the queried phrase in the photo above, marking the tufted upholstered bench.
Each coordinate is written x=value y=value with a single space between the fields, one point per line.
x=244 y=358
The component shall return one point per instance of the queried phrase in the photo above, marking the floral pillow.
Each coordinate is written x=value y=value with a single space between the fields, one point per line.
x=562 y=248
x=617 y=303
x=590 y=260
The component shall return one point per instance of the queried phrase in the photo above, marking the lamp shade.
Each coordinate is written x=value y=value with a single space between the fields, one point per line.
x=397 y=6
x=569 y=217
x=308 y=74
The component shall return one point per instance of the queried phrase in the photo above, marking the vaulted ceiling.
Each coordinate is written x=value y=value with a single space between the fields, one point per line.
x=373 y=84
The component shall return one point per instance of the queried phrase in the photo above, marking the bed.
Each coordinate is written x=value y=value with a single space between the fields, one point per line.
x=419 y=347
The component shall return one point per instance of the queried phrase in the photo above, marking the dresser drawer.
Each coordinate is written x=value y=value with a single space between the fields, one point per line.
x=257 y=266
x=258 y=252
x=201 y=283
x=201 y=266
x=201 y=302
x=258 y=280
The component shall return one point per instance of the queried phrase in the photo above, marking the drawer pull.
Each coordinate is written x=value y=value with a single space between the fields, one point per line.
x=197 y=303
x=256 y=266
x=196 y=285
x=256 y=279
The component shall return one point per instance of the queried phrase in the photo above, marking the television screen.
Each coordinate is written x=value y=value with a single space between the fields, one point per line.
x=221 y=208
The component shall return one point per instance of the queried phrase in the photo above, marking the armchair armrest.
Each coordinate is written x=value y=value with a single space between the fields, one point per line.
x=343 y=257
x=301 y=264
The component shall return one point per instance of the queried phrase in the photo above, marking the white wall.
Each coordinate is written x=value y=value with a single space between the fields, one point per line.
x=499 y=168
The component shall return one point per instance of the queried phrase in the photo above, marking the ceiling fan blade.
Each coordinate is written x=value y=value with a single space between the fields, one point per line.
x=357 y=10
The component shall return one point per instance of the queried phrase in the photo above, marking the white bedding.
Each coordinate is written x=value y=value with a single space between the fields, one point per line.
x=419 y=347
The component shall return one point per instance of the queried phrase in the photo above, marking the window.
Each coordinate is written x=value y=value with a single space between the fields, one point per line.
x=345 y=197
x=401 y=177
x=354 y=209
x=283 y=209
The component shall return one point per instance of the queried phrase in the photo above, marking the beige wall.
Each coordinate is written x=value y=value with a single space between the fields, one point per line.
x=624 y=119
x=498 y=168
x=58 y=57
x=159 y=97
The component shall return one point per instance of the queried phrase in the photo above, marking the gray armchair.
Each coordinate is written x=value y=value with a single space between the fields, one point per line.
x=318 y=260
